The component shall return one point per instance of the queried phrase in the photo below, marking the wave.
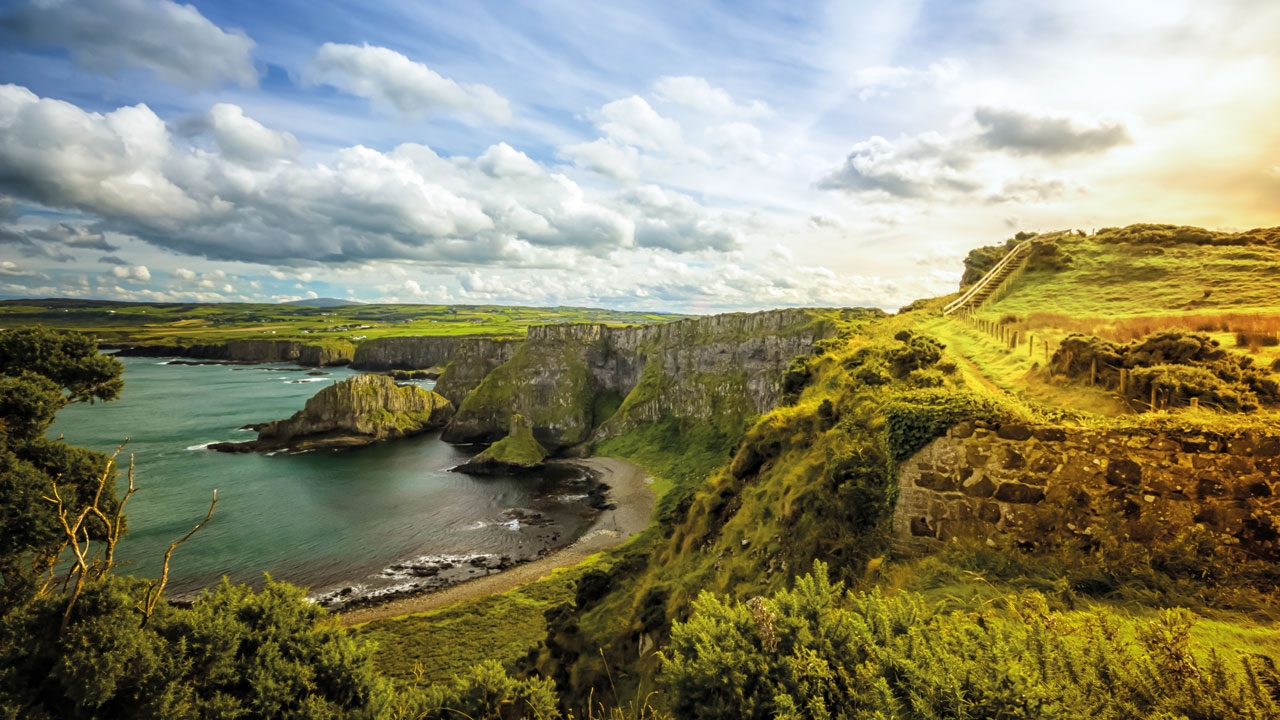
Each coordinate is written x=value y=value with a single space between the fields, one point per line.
x=203 y=446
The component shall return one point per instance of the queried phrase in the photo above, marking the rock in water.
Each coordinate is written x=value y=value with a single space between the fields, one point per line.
x=357 y=411
x=519 y=451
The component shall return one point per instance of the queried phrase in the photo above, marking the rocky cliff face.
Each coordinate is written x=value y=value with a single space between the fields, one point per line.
x=579 y=383
x=466 y=360
x=254 y=351
x=356 y=411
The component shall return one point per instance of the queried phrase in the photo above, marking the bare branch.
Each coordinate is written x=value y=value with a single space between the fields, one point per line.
x=155 y=591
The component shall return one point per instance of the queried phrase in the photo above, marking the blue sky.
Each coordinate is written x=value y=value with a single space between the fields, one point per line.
x=680 y=156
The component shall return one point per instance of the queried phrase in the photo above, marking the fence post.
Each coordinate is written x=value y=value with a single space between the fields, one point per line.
x=1093 y=371
x=1195 y=403
x=1153 y=396
x=1124 y=380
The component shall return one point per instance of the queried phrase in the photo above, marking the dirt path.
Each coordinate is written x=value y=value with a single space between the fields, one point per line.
x=629 y=491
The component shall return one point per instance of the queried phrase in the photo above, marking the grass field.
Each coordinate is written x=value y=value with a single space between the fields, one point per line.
x=193 y=323
x=1123 y=280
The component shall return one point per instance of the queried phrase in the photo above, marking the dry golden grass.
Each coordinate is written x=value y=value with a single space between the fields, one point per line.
x=1255 y=327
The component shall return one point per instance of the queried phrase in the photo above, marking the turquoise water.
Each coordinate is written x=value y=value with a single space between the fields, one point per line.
x=324 y=519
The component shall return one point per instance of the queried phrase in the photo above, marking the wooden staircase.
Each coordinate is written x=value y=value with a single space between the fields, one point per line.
x=996 y=280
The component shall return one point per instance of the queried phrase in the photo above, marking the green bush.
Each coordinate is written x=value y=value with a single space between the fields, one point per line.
x=1179 y=366
x=916 y=417
x=818 y=651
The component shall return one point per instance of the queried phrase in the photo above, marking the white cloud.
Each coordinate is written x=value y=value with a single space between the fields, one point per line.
x=698 y=94
x=245 y=139
x=607 y=157
x=633 y=121
x=392 y=80
x=673 y=221
x=134 y=273
x=174 y=41
x=184 y=274
x=878 y=80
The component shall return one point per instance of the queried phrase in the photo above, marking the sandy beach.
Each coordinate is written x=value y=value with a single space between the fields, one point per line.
x=633 y=502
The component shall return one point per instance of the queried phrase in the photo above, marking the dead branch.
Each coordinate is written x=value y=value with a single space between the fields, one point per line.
x=156 y=590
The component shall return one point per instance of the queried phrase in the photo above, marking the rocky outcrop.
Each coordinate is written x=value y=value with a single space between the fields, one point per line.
x=518 y=452
x=1046 y=485
x=251 y=351
x=466 y=360
x=585 y=382
x=357 y=411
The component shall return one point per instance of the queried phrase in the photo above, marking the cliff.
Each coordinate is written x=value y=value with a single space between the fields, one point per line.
x=585 y=382
x=357 y=411
x=466 y=360
x=252 y=351
x=517 y=452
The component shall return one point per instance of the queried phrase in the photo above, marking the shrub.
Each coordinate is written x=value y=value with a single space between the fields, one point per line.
x=593 y=585
x=916 y=417
x=916 y=352
x=818 y=651
x=1179 y=366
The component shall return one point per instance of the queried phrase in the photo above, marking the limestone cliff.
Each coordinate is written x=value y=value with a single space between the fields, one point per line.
x=357 y=411
x=466 y=360
x=578 y=383
x=252 y=351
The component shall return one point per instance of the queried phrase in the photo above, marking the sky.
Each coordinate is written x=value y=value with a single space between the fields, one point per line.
x=682 y=156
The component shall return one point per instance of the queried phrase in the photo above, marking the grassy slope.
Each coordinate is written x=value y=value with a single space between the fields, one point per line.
x=191 y=323
x=749 y=535
x=1127 y=279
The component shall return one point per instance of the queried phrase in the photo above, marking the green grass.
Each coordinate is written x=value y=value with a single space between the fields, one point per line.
x=674 y=454
x=442 y=643
x=193 y=323
x=519 y=447
x=1127 y=280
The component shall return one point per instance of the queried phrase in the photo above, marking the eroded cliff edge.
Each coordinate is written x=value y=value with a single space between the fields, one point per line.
x=250 y=351
x=581 y=383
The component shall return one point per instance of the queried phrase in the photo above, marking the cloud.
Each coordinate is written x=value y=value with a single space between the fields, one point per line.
x=54 y=242
x=632 y=121
x=112 y=260
x=673 y=221
x=358 y=204
x=930 y=166
x=59 y=155
x=878 y=80
x=914 y=168
x=135 y=273
x=387 y=78
x=1022 y=133
x=246 y=140
x=174 y=41
x=698 y=94
x=1035 y=190
x=184 y=274
x=607 y=157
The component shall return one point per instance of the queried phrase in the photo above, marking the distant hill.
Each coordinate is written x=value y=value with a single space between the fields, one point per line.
x=323 y=302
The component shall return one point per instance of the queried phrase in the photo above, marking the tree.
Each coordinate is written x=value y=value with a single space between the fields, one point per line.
x=41 y=371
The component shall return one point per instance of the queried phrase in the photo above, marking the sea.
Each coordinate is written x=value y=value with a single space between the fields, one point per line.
x=352 y=525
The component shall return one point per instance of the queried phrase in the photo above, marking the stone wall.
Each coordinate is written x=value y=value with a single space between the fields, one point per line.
x=1045 y=483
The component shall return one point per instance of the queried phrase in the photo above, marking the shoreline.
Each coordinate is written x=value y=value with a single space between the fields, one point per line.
x=631 y=494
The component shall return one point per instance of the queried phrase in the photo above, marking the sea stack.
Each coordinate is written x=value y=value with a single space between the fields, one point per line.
x=351 y=413
x=518 y=452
